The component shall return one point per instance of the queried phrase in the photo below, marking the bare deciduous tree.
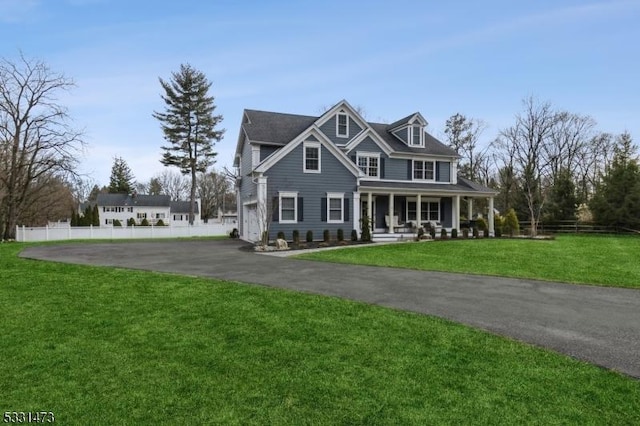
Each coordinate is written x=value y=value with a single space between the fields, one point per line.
x=36 y=139
x=568 y=139
x=173 y=184
x=463 y=135
x=212 y=189
x=526 y=141
x=594 y=160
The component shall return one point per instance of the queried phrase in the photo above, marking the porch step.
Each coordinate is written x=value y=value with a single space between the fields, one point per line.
x=385 y=238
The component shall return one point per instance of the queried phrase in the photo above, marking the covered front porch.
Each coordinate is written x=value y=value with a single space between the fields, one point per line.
x=398 y=214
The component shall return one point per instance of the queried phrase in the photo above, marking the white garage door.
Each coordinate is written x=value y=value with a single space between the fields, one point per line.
x=251 y=228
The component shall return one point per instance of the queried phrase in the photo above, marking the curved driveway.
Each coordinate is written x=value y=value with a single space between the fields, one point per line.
x=596 y=324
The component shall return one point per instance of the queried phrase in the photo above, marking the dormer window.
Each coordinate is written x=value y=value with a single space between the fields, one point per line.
x=416 y=136
x=342 y=125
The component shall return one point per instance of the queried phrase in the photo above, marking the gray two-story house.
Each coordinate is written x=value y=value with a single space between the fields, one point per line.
x=299 y=172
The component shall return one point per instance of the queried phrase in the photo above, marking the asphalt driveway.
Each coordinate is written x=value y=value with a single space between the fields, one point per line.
x=595 y=324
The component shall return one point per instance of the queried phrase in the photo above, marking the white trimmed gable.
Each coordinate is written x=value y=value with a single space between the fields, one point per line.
x=343 y=113
x=368 y=133
x=311 y=134
x=411 y=130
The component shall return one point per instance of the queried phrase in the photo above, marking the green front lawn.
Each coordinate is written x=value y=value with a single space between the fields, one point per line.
x=111 y=346
x=600 y=260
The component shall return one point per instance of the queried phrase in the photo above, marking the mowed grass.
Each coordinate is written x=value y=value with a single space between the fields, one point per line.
x=107 y=346
x=600 y=260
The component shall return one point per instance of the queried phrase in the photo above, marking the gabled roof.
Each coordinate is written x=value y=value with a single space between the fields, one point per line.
x=133 y=200
x=432 y=146
x=182 y=207
x=474 y=185
x=324 y=141
x=343 y=105
x=408 y=119
x=275 y=127
x=280 y=129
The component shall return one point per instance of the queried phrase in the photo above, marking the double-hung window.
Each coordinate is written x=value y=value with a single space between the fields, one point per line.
x=288 y=202
x=429 y=210
x=311 y=158
x=335 y=207
x=342 y=125
x=369 y=164
x=416 y=135
x=423 y=170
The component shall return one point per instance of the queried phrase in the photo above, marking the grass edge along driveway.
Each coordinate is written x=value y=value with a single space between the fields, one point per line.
x=104 y=345
x=611 y=261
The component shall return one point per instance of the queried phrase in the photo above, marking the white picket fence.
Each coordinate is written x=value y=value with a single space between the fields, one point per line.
x=57 y=233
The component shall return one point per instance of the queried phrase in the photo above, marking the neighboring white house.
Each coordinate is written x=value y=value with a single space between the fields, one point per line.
x=154 y=208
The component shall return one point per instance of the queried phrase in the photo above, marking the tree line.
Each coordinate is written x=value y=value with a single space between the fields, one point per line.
x=549 y=165
x=214 y=188
x=40 y=149
x=552 y=165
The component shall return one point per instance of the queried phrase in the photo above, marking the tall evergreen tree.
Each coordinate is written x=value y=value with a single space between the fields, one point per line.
x=155 y=187
x=562 y=201
x=122 y=180
x=617 y=198
x=95 y=216
x=189 y=125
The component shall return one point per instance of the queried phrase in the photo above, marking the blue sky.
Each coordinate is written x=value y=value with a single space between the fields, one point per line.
x=390 y=58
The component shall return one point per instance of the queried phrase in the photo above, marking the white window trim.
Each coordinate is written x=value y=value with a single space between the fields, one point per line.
x=369 y=155
x=412 y=127
x=287 y=194
x=338 y=134
x=306 y=145
x=335 y=195
x=413 y=171
x=255 y=155
x=422 y=200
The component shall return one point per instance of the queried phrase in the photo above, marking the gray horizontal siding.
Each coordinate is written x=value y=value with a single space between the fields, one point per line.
x=402 y=134
x=288 y=175
x=396 y=169
x=329 y=130
x=247 y=187
x=367 y=145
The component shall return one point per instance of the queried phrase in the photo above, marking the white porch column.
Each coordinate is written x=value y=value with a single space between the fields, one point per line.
x=455 y=222
x=419 y=211
x=470 y=208
x=262 y=206
x=390 y=224
x=370 y=210
x=490 y=218
x=356 y=212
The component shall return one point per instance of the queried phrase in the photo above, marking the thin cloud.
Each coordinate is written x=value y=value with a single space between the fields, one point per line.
x=15 y=11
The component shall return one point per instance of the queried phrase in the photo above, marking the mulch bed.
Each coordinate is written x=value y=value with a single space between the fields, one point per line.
x=311 y=245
